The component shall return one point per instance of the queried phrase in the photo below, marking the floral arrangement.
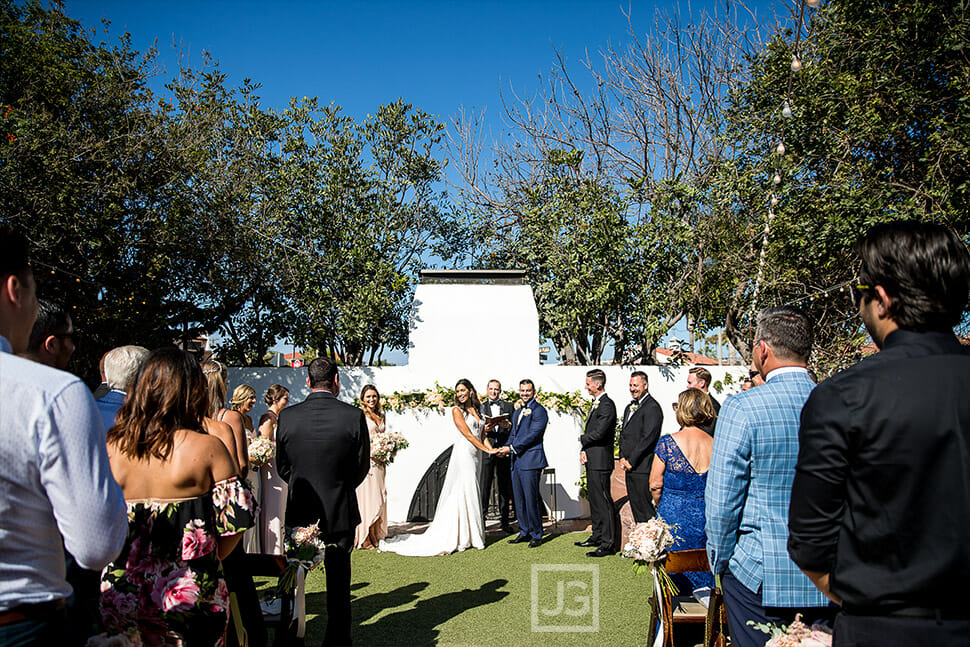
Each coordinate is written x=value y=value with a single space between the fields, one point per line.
x=385 y=446
x=647 y=546
x=797 y=634
x=261 y=451
x=304 y=549
x=440 y=398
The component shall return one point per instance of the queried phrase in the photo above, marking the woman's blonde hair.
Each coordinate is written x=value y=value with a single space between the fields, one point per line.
x=240 y=394
x=695 y=409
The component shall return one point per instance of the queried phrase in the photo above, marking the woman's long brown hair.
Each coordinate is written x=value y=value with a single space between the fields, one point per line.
x=169 y=393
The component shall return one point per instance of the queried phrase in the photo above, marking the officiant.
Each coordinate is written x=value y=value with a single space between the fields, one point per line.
x=494 y=467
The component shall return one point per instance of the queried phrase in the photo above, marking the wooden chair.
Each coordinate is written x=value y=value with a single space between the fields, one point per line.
x=684 y=609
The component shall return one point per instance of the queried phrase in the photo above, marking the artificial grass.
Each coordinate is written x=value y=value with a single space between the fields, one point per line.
x=484 y=598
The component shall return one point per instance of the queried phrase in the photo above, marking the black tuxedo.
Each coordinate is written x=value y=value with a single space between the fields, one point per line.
x=638 y=440
x=597 y=441
x=497 y=467
x=323 y=454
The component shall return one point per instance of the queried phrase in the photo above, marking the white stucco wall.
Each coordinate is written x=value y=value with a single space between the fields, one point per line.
x=429 y=433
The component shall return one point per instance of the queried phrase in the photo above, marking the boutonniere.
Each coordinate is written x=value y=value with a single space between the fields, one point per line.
x=526 y=412
x=634 y=407
x=596 y=403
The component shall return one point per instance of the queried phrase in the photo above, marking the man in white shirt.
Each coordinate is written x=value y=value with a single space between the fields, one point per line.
x=56 y=488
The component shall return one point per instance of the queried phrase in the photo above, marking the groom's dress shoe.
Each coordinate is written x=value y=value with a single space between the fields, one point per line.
x=599 y=552
x=535 y=543
x=589 y=543
x=518 y=540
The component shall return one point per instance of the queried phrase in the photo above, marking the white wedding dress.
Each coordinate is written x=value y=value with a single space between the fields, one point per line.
x=457 y=523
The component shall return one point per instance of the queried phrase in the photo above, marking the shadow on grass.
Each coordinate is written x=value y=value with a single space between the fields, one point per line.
x=413 y=627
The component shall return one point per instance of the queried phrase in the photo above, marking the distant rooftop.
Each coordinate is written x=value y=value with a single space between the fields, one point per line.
x=473 y=277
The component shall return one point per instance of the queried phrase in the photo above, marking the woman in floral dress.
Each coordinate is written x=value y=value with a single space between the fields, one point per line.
x=187 y=508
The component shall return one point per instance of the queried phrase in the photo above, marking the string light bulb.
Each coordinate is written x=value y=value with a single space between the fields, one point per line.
x=780 y=148
x=814 y=4
x=774 y=199
x=796 y=64
x=776 y=179
x=786 y=110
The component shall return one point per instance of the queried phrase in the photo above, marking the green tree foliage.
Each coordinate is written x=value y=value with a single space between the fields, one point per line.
x=157 y=219
x=879 y=131
x=90 y=172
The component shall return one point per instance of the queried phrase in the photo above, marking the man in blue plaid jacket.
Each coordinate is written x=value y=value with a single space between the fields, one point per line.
x=749 y=485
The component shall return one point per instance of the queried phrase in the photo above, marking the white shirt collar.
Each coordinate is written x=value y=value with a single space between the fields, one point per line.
x=786 y=369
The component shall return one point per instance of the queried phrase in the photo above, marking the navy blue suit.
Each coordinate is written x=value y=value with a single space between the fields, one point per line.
x=528 y=460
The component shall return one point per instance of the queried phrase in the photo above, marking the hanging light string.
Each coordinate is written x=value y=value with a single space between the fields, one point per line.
x=779 y=151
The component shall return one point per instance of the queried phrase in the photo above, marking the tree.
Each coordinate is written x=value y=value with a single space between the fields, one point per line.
x=89 y=172
x=645 y=134
x=879 y=131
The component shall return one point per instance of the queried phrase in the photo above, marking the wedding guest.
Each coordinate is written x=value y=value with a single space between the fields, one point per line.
x=102 y=389
x=56 y=487
x=187 y=508
x=372 y=492
x=700 y=378
x=52 y=337
x=747 y=384
x=679 y=475
x=120 y=367
x=750 y=479
x=880 y=508
x=238 y=580
x=215 y=374
x=273 y=488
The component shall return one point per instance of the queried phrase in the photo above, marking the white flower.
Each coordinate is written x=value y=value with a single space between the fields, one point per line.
x=526 y=412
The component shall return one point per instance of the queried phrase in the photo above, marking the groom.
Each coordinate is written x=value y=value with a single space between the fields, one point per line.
x=528 y=460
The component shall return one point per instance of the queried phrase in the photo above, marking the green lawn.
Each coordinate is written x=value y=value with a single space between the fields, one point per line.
x=485 y=597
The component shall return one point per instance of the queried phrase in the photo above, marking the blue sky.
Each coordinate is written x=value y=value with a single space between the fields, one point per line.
x=438 y=55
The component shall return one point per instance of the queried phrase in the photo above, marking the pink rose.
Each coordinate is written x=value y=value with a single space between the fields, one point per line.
x=196 y=543
x=118 y=609
x=177 y=592
x=220 y=599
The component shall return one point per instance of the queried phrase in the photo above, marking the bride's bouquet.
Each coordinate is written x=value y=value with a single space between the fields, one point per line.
x=261 y=451
x=647 y=545
x=385 y=446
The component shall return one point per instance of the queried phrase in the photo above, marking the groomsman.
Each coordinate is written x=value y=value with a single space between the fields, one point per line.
x=597 y=456
x=494 y=466
x=642 y=420
x=528 y=460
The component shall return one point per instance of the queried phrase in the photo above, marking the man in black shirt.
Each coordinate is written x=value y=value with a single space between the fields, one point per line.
x=880 y=504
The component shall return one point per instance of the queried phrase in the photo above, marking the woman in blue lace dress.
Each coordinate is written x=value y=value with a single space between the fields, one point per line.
x=187 y=509
x=679 y=475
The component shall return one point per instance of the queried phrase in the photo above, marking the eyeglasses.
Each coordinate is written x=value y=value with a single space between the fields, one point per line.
x=753 y=374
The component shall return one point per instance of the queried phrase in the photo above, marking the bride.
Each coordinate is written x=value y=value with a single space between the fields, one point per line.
x=457 y=523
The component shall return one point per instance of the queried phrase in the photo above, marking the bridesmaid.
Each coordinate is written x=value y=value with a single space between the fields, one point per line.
x=271 y=485
x=372 y=493
x=243 y=401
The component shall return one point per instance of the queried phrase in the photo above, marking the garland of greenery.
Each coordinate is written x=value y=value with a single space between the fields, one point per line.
x=441 y=398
